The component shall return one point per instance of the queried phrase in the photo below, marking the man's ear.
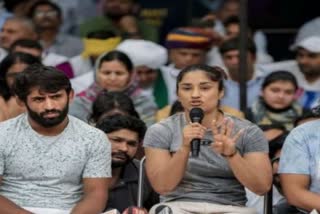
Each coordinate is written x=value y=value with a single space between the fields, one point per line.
x=20 y=102
x=71 y=96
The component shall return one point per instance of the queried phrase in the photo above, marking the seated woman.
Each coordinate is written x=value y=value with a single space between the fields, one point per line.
x=277 y=103
x=232 y=151
x=114 y=73
x=9 y=67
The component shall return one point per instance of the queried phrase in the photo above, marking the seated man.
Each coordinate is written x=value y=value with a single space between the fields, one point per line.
x=125 y=134
x=51 y=162
x=299 y=166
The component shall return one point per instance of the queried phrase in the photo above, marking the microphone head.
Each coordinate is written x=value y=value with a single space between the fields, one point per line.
x=196 y=115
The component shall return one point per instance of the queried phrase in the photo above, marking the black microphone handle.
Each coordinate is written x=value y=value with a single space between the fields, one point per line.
x=195 y=147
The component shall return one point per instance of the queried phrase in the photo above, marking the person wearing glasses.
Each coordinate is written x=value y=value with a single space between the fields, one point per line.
x=47 y=18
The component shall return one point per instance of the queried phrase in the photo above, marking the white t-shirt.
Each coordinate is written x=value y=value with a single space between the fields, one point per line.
x=43 y=172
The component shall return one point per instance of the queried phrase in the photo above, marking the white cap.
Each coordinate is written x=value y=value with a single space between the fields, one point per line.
x=143 y=52
x=311 y=44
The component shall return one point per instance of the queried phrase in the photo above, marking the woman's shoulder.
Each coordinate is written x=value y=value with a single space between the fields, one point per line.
x=240 y=122
x=170 y=123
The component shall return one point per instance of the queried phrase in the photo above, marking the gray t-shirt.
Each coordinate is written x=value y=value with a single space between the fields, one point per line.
x=47 y=172
x=208 y=178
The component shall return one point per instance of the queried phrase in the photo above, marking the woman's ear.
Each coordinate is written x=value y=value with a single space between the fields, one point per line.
x=221 y=94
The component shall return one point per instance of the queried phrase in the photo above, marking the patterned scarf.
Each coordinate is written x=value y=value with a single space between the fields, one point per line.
x=265 y=115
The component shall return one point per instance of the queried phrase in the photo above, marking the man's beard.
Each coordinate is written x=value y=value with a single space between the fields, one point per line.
x=310 y=72
x=48 y=122
x=120 y=163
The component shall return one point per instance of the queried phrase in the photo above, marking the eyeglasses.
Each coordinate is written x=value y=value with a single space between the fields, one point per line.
x=50 y=13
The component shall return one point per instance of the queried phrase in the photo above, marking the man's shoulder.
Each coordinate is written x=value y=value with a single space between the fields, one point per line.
x=83 y=129
x=307 y=128
x=11 y=124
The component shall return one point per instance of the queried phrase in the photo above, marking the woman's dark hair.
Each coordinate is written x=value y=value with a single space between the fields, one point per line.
x=119 y=56
x=280 y=76
x=46 y=78
x=214 y=73
x=176 y=107
x=117 y=122
x=112 y=102
x=44 y=2
x=7 y=62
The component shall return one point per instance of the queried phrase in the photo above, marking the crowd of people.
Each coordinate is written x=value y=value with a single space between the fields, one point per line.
x=78 y=113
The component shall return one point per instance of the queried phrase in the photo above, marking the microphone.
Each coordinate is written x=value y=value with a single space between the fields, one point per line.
x=196 y=116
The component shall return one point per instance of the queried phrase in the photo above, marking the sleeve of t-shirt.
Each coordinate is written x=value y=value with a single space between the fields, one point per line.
x=158 y=136
x=254 y=140
x=1 y=156
x=294 y=156
x=99 y=158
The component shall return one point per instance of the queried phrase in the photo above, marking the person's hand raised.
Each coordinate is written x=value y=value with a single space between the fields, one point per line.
x=224 y=141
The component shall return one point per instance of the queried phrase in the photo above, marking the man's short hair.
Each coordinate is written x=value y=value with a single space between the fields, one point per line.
x=26 y=43
x=117 y=122
x=46 y=78
x=234 y=44
x=44 y=2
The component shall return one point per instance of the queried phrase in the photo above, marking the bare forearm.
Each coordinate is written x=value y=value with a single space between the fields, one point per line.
x=91 y=204
x=304 y=199
x=164 y=179
x=256 y=179
x=8 y=207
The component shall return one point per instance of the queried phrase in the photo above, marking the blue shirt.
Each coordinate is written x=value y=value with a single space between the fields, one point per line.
x=301 y=153
x=231 y=93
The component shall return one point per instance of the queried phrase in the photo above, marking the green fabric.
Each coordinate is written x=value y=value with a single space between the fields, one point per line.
x=103 y=23
x=160 y=91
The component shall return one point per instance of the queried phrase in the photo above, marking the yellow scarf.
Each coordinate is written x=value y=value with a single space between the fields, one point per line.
x=95 y=47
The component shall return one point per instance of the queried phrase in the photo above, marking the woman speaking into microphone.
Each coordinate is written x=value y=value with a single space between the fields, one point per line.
x=233 y=153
